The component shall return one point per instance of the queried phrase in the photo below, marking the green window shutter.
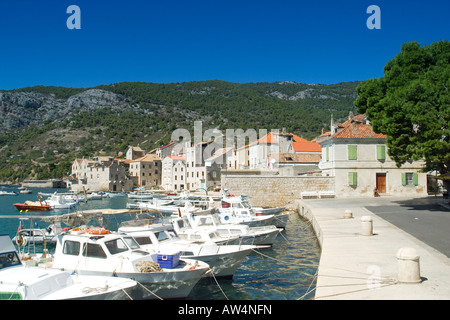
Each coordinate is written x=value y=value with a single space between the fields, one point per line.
x=381 y=153
x=328 y=153
x=353 y=179
x=404 y=178
x=352 y=152
x=415 y=178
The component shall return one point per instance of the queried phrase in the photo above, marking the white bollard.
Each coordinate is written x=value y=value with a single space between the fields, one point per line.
x=366 y=226
x=348 y=214
x=408 y=265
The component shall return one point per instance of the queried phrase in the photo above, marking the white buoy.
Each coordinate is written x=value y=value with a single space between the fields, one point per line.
x=366 y=226
x=408 y=265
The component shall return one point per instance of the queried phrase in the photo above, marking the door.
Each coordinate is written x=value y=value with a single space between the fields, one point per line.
x=381 y=182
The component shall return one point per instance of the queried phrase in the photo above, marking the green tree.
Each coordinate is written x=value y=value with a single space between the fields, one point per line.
x=411 y=104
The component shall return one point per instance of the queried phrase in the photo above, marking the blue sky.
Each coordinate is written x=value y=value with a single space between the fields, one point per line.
x=240 y=41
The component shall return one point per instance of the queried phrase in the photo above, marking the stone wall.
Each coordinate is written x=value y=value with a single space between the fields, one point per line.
x=274 y=191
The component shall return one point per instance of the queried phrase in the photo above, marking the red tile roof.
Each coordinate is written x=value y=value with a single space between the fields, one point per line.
x=356 y=128
x=177 y=157
x=306 y=146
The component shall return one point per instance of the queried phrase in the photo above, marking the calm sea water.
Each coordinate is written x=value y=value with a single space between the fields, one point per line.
x=283 y=272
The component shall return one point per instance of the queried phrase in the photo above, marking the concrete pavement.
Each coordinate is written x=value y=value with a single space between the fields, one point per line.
x=358 y=267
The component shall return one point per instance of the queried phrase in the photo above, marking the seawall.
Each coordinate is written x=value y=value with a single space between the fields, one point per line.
x=274 y=191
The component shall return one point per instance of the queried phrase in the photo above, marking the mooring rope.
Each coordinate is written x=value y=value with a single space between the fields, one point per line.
x=214 y=277
x=147 y=289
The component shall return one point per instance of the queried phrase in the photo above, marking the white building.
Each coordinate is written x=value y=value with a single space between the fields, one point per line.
x=357 y=157
x=173 y=175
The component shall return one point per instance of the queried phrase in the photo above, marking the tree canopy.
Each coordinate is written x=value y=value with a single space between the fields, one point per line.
x=411 y=104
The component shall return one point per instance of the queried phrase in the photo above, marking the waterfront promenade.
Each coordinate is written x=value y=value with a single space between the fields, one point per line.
x=354 y=266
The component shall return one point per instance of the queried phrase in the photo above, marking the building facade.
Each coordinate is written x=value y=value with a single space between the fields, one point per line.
x=146 y=171
x=174 y=173
x=99 y=174
x=358 y=159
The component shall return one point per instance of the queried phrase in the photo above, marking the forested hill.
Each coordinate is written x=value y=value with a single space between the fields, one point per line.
x=42 y=129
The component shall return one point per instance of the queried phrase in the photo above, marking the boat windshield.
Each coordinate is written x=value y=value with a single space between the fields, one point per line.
x=116 y=246
x=9 y=259
x=131 y=242
x=245 y=204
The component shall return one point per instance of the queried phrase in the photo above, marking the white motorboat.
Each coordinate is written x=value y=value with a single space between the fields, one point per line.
x=114 y=194
x=94 y=196
x=58 y=201
x=182 y=228
x=236 y=210
x=223 y=260
x=191 y=224
x=140 y=196
x=242 y=207
x=37 y=235
x=98 y=252
x=7 y=193
x=18 y=282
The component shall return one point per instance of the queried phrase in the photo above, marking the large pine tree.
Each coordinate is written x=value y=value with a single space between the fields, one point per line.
x=411 y=104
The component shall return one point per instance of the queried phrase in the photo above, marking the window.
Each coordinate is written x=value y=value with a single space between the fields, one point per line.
x=131 y=242
x=410 y=179
x=352 y=152
x=161 y=236
x=381 y=153
x=71 y=248
x=116 y=246
x=143 y=240
x=327 y=153
x=91 y=250
x=9 y=259
x=353 y=179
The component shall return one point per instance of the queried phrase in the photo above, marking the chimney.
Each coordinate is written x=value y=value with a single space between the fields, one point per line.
x=350 y=115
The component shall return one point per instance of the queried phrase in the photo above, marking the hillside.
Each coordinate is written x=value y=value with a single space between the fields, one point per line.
x=42 y=129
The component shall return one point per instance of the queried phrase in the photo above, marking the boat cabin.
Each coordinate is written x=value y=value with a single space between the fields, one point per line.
x=105 y=252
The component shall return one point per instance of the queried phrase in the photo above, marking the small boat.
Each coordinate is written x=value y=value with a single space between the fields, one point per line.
x=7 y=193
x=97 y=251
x=192 y=224
x=140 y=196
x=94 y=196
x=58 y=201
x=223 y=260
x=37 y=235
x=32 y=206
x=18 y=282
x=241 y=205
x=26 y=191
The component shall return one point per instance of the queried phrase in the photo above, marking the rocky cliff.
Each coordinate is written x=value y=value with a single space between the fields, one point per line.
x=21 y=109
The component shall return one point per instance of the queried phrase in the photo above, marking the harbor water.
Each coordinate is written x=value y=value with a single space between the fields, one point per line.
x=285 y=271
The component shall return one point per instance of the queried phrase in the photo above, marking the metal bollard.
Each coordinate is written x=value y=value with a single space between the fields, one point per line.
x=366 y=226
x=408 y=265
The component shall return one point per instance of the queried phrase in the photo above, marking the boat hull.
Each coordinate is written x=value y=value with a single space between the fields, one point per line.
x=158 y=285
x=20 y=206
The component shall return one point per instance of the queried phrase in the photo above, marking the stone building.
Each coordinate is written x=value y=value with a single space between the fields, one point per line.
x=99 y=174
x=146 y=171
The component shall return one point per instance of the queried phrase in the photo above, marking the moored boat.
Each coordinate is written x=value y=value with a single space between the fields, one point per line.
x=18 y=282
x=32 y=206
x=111 y=254
x=223 y=259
